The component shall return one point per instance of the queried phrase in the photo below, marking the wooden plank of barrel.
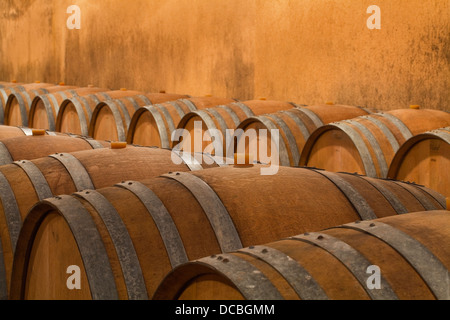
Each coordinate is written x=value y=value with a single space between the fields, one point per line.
x=4 y=84
x=44 y=108
x=40 y=144
x=153 y=125
x=253 y=135
x=334 y=264
x=24 y=183
x=217 y=120
x=424 y=159
x=19 y=131
x=111 y=119
x=367 y=144
x=75 y=113
x=5 y=92
x=18 y=105
x=126 y=238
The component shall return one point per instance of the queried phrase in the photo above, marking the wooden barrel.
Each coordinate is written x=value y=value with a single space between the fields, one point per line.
x=24 y=183
x=19 y=131
x=340 y=263
x=5 y=92
x=126 y=238
x=4 y=84
x=153 y=125
x=217 y=120
x=44 y=108
x=253 y=135
x=425 y=159
x=18 y=105
x=111 y=119
x=41 y=145
x=75 y=113
x=367 y=144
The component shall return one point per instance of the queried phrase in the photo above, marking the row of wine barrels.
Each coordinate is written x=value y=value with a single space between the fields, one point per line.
x=7 y=90
x=44 y=108
x=254 y=135
x=391 y=258
x=24 y=183
x=41 y=145
x=110 y=119
x=153 y=125
x=424 y=159
x=367 y=144
x=18 y=105
x=125 y=238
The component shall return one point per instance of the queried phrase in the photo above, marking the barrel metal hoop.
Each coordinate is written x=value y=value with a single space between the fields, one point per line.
x=123 y=244
x=5 y=155
x=93 y=252
x=218 y=216
x=27 y=131
x=289 y=136
x=76 y=170
x=189 y=104
x=248 y=112
x=248 y=279
x=177 y=107
x=104 y=95
x=49 y=111
x=314 y=117
x=95 y=144
x=117 y=118
x=360 y=204
x=189 y=160
x=163 y=221
x=81 y=115
x=295 y=274
x=125 y=113
x=220 y=161
x=232 y=114
x=167 y=117
x=352 y=259
x=386 y=131
x=429 y=267
x=418 y=194
x=144 y=99
x=11 y=210
x=435 y=195
x=36 y=177
x=300 y=124
x=3 y=282
x=162 y=129
x=399 y=124
x=223 y=125
x=218 y=144
x=23 y=110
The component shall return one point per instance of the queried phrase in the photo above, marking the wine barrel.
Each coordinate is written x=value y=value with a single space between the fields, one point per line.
x=111 y=119
x=153 y=125
x=18 y=105
x=24 y=183
x=217 y=120
x=253 y=135
x=5 y=92
x=44 y=108
x=333 y=264
x=75 y=113
x=18 y=131
x=41 y=144
x=425 y=159
x=13 y=83
x=367 y=144
x=124 y=239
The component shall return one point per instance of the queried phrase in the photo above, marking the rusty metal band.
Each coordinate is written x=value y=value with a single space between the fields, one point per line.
x=92 y=249
x=217 y=143
x=248 y=112
x=167 y=117
x=49 y=111
x=26 y=131
x=360 y=204
x=352 y=259
x=248 y=279
x=289 y=136
x=398 y=123
x=10 y=210
x=386 y=131
x=218 y=216
x=36 y=177
x=435 y=195
x=189 y=160
x=375 y=146
x=396 y=204
x=427 y=265
x=76 y=170
x=5 y=155
x=162 y=130
x=3 y=282
x=189 y=104
x=418 y=194
x=177 y=107
x=283 y=153
x=300 y=124
x=295 y=274
x=163 y=221
x=369 y=166
x=129 y=262
x=232 y=114
x=314 y=117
